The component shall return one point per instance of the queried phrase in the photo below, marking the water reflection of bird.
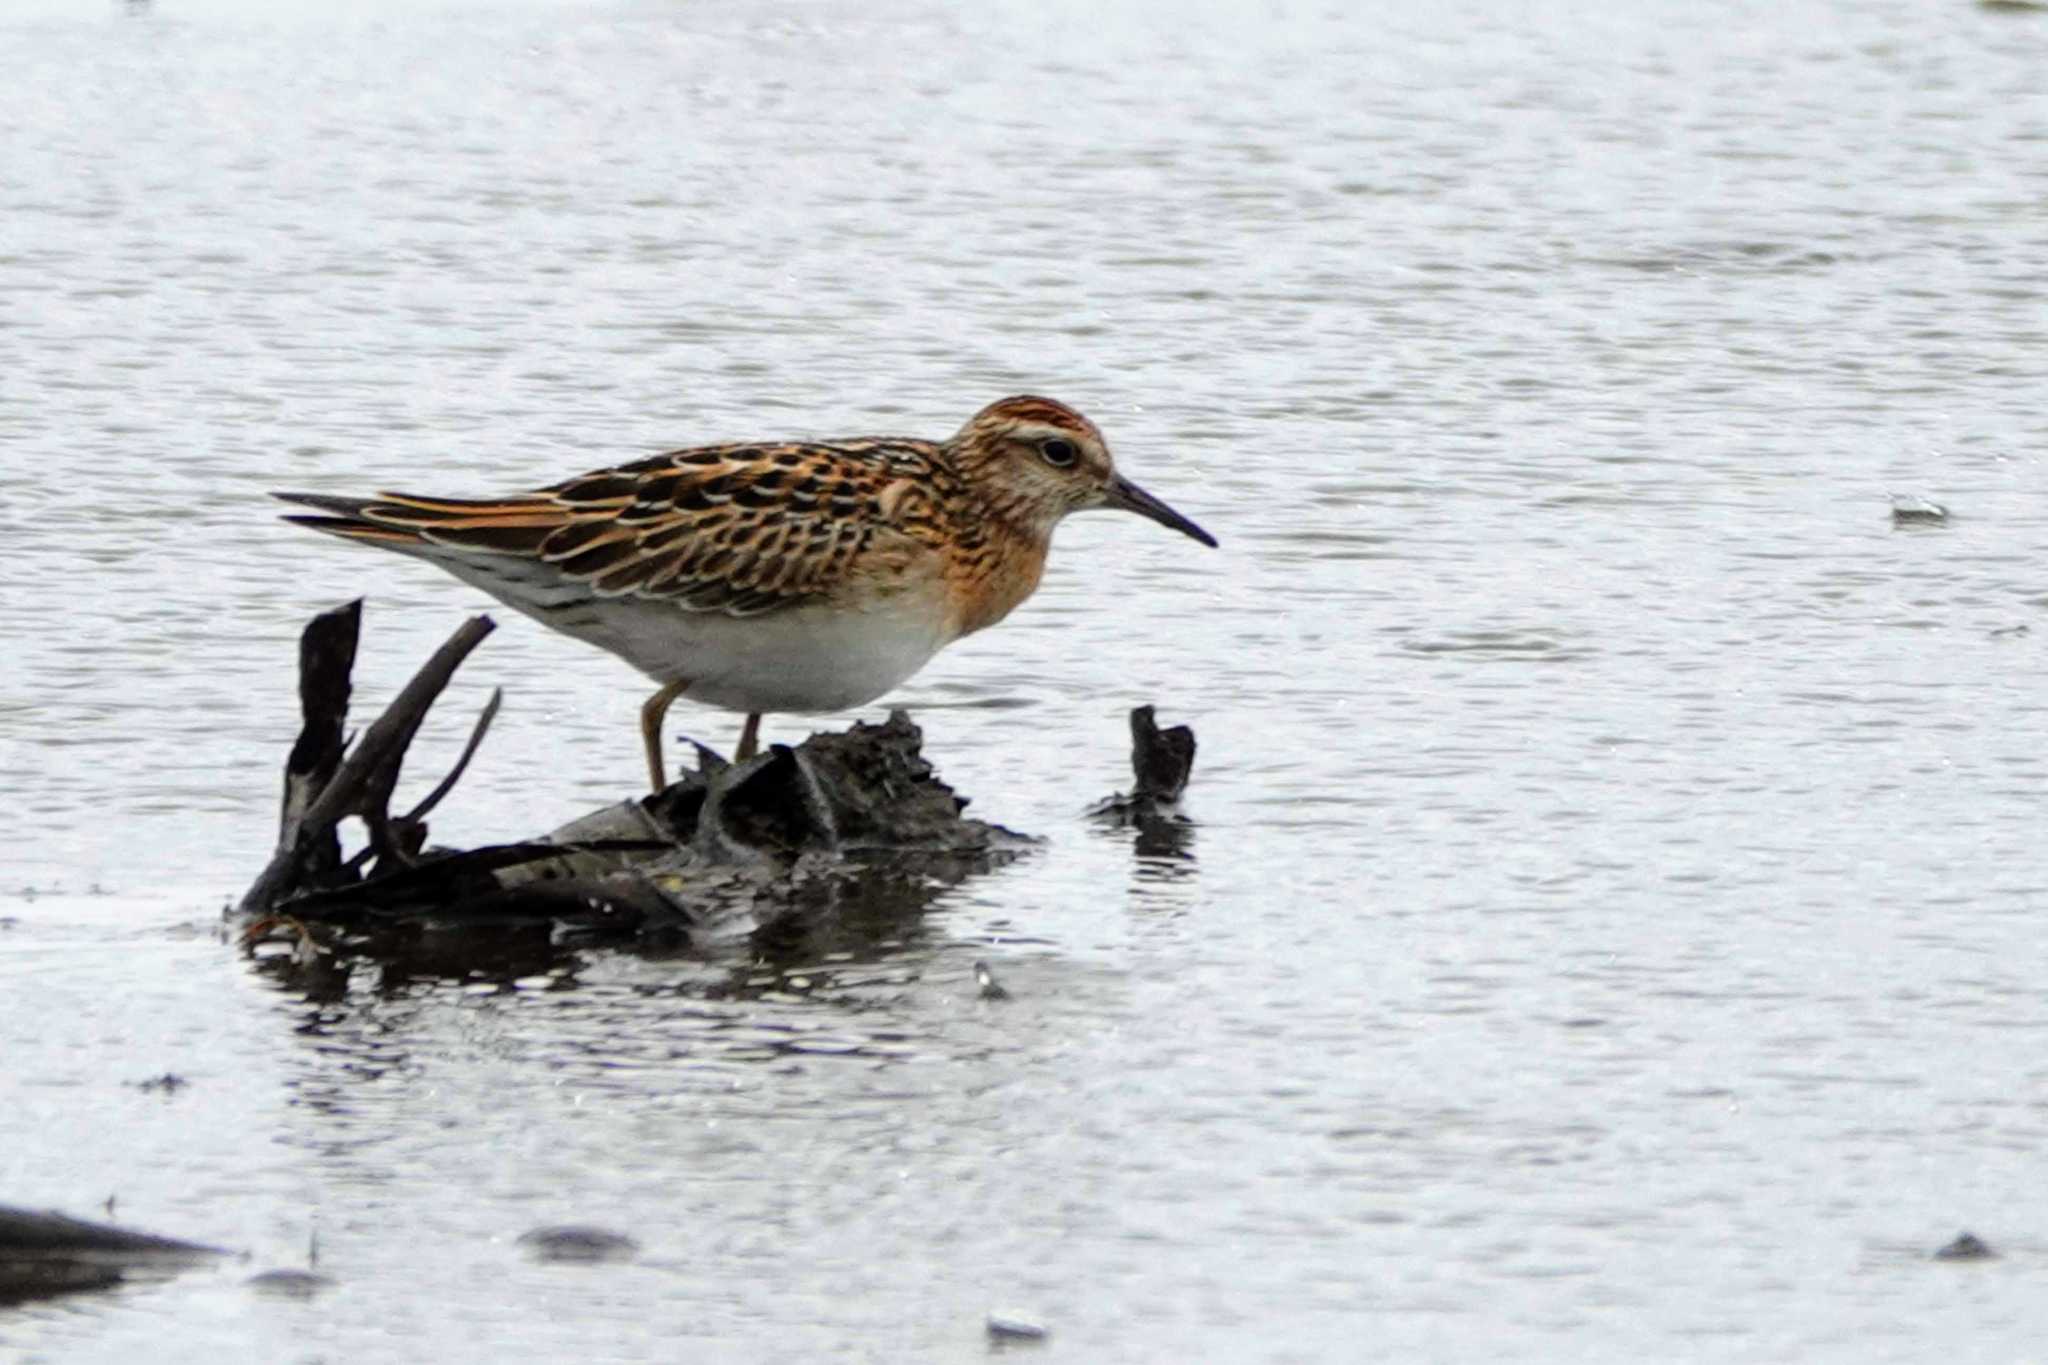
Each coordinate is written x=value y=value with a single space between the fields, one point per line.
x=789 y=576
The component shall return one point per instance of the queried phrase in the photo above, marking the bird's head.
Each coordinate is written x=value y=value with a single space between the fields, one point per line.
x=1036 y=460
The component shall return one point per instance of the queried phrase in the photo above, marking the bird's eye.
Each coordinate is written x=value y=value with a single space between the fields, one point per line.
x=1059 y=452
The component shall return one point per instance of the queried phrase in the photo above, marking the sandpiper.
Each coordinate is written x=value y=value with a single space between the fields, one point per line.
x=798 y=576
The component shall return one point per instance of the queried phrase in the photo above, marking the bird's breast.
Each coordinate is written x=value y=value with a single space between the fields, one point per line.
x=988 y=586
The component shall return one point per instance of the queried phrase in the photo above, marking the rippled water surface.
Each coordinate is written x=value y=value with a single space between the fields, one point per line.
x=1613 y=923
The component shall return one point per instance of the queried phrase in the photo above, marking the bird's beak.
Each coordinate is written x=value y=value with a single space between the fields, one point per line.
x=1126 y=496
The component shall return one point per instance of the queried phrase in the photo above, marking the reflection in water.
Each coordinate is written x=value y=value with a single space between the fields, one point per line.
x=1165 y=847
x=822 y=977
x=868 y=916
x=392 y=964
x=1162 y=843
x=857 y=911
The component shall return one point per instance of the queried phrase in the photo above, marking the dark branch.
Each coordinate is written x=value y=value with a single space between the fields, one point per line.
x=476 y=737
x=327 y=655
x=363 y=782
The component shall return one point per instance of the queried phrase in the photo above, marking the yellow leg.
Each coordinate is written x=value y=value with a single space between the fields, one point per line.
x=650 y=730
x=750 y=738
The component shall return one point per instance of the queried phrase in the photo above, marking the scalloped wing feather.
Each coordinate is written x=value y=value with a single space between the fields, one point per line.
x=739 y=529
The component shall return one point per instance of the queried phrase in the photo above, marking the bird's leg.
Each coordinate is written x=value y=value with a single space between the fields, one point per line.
x=650 y=729
x=750 y=738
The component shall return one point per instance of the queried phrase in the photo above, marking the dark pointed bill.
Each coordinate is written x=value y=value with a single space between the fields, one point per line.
x=1126 y=496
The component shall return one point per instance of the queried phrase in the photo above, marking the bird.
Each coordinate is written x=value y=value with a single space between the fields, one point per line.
x=989 y=987
x=796 y=577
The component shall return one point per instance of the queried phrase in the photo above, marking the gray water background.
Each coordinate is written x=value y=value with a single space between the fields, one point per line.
x=1612 y=928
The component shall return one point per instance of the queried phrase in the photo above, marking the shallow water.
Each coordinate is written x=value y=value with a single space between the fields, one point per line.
x=1611 y=929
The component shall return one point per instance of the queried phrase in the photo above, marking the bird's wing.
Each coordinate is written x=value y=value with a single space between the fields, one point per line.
x=740 y=529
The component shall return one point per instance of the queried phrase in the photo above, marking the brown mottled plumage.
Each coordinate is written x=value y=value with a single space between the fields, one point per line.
x=789 y=576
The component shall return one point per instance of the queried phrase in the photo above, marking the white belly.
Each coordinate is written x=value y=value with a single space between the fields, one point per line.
x=808 y=659
x=804 y=659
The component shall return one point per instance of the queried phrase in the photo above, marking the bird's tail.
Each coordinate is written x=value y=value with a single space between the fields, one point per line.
x=400 y=521
x=345 y=517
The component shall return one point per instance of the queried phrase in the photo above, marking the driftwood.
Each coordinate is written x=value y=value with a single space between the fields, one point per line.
x=48 y=1253
x=361 y=784
x=853 y=823
x=1161 y=761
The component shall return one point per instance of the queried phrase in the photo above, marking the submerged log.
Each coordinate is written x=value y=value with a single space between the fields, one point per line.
x=726 y=849
x=45 y=1253
x=773 y=848
x=1161 y=761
